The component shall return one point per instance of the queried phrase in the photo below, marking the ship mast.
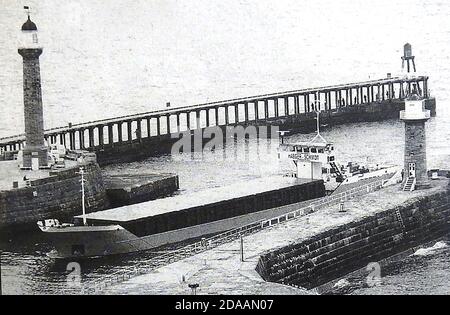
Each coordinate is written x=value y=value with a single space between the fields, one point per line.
x=318 y=135
x=83 y=207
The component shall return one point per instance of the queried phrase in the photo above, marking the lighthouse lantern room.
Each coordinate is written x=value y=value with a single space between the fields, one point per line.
x=29 y=34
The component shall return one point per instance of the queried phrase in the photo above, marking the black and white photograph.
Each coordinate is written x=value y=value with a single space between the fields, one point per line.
x=224 y=153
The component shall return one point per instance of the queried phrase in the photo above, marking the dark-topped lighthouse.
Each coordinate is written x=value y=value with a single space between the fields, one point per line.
x=35 y=151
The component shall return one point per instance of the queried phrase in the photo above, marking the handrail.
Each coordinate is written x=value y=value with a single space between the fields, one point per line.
x=228 y=236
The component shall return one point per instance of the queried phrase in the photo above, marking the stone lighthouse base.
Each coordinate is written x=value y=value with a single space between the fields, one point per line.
x=35 y=157
x=415 y=157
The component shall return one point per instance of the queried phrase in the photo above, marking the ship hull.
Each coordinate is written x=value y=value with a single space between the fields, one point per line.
x=98 y=241
x=89 y=241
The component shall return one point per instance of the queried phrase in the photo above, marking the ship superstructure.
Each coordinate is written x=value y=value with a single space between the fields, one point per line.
x=316 y=160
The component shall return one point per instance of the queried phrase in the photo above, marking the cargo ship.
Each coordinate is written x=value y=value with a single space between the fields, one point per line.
x=316 y=160
x=155 y=223
x=152 y=224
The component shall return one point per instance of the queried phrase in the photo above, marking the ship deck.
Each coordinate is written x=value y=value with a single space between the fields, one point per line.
x=194 y=200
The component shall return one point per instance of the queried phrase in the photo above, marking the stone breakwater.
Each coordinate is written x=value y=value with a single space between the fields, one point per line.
x=339 y=250
x=54 y=196
x=127 y=189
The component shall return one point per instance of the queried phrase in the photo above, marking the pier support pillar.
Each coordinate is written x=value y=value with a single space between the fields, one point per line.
x=188 y=120
x=101 y=140
x=139 y=130
x=266 y=109
x=91 y=137
x=305 y=103
x=168 y=124
x=178 y=121
x=129 y=131
x=207 y=117
x=111 y=135
x=246 y=105
x=148 y=120
x=286 y=106
x=120 y=134
x=72 y=140
x=62 y=139
x=81 y=139
x=226 y=109
x=276 y=109
x=216 y=114
x=198 y=123
x=158 y=125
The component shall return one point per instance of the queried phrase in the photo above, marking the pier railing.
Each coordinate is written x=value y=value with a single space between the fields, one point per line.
x=108 y=133
x=145 y=267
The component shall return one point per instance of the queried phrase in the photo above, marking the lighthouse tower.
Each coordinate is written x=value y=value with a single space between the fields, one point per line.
x=415 y=115
x=35 y=151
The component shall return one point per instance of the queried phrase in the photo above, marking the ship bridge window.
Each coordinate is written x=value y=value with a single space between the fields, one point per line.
x=320 y=150
x=286 y=148
x=313 y=150
x=306 y=150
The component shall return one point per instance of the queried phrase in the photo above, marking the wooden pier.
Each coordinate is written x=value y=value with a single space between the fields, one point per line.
x=104 y=136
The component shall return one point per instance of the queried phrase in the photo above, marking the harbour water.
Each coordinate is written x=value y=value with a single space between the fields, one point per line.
x=102 y=60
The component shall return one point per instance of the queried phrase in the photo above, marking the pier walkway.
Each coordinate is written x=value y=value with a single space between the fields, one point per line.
x=138 y=128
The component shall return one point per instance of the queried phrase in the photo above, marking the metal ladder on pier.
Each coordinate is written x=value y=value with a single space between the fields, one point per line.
x=398 y=215
x=410 y=184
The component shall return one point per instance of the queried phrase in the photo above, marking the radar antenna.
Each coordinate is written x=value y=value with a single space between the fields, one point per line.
x=282 y=135
x=318 y=135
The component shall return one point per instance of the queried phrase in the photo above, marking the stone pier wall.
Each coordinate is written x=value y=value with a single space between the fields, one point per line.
x=57 y=196
x=127 y=189
x=346 y=248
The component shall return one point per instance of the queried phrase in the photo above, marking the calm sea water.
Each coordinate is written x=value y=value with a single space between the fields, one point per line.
x=102 y=59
